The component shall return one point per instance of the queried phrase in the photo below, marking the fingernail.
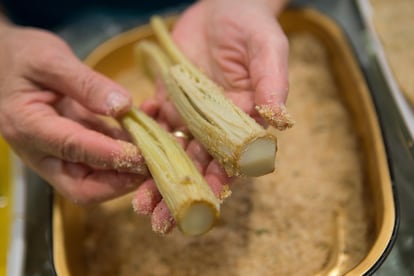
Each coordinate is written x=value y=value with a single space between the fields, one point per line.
x=116 y=102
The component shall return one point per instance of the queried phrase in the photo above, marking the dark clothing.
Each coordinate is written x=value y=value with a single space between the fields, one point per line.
x=50 y=14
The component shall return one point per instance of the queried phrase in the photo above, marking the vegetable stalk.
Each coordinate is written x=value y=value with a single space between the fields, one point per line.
x=186 y=193
x=237 y=141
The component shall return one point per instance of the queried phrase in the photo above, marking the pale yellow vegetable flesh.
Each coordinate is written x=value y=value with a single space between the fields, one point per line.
x=258 y=158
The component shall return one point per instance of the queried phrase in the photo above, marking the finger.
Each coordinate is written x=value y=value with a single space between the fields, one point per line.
x=71 y=109
x=217 y=178
x=84 y=185
x=170 y=115
x=151 y=107
x=198 y=155
x=146 y=198
x=268 y=56
x=161 y=220
x=268 y=67
x=70 y=141
x=64 y=73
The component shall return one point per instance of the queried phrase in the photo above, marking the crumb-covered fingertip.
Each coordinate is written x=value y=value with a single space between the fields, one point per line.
x=129 y=159
x=161 y=220
x=276 y=116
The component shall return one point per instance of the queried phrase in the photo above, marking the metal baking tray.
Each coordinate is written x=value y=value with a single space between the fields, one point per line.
x=116 y=55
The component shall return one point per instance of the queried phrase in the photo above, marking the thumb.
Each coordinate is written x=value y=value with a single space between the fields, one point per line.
x=269 y=75
x=64 y=73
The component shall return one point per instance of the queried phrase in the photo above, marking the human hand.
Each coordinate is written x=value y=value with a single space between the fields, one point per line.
x=239 y=44
x=49 y=103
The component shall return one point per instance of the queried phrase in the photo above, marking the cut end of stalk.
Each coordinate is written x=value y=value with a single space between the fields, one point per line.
x=197 y=219
x=258 y=157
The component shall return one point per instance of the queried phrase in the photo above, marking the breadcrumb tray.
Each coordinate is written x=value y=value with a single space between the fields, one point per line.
x=328 y=209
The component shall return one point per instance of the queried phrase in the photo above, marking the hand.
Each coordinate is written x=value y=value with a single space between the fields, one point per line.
x=49 y=103
x=240 y=45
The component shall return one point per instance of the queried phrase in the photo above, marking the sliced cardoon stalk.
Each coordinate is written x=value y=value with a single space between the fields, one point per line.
x=188 y=197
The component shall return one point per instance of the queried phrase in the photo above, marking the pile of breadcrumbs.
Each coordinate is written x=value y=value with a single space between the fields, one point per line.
x=309 y=214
